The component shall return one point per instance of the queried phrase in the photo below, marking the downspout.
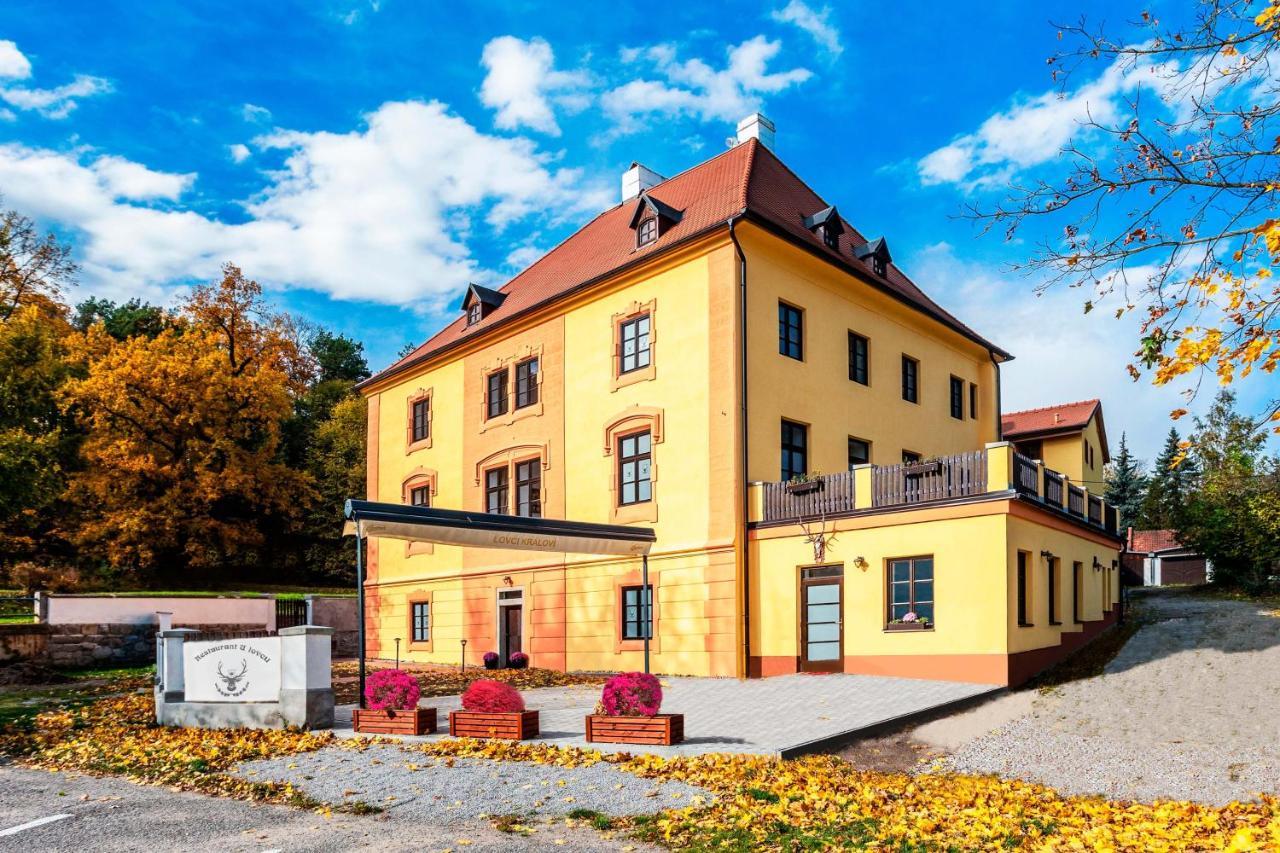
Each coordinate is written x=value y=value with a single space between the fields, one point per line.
x=746 y=492
x=999 y=403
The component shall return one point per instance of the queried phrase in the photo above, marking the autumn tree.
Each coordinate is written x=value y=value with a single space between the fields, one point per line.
x=182 y=458
x=1233 y=515
x=38 y=439
x=1126 y=485
x=1167 y=207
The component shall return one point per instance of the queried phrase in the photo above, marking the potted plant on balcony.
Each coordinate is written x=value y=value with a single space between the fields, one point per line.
x=492 y=709
x=910 y=622
x=518 y=660
x=628 y=713
x=803 y=484
x=491 y=660
x=392 y=699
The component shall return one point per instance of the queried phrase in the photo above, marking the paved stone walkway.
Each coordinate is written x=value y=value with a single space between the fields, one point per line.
x=771 y=716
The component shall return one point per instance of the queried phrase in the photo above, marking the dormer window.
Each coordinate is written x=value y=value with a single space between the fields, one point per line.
x=479 y=302
x=876 y=254
x=647 y=232
x=826 y=224
x=651 y=219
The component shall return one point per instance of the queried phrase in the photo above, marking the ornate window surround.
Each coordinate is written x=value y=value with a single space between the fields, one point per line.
x=417 y=396
x=417 y=477
x=508 y=363
x=632 y=420
x=423 y=597
x=643 y=374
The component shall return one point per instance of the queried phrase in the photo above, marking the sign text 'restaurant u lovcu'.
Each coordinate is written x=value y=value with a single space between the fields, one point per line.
x=246 y=670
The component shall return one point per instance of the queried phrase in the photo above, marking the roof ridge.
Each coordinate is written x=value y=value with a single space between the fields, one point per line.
x=1093 y=400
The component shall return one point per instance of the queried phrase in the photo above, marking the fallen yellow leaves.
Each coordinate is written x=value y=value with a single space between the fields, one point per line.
x=118 y=736
x=823 y=802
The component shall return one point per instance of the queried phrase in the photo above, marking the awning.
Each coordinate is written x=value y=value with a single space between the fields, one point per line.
x=491 y=530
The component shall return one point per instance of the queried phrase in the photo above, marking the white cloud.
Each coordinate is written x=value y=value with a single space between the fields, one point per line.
x=125 y=179
x=382 y=213
x=1031 y=132
x=13 y=64
x=239 y=152
x=814 y=22
x=57 y=102
x=524 y=87
x=696 y=89
x=255 y=114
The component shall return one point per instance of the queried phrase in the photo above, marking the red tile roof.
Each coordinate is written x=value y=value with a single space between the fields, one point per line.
x=747 y=179
x=1065 y=417
x=1146 y=541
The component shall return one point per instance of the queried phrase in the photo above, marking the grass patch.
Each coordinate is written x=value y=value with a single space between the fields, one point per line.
x=86 y=673
x=286 y=592
x=20 y=705
x=598 y=820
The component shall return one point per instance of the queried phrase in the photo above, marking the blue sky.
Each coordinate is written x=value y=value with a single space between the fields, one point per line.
x=364 y=160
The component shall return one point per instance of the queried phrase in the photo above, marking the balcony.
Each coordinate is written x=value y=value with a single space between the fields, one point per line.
x=995 y=470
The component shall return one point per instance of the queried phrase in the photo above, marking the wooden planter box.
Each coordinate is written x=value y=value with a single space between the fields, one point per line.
x=510 y=725
x=663 y=729
x=418 y=721
x=908 y=626
x=805 y=487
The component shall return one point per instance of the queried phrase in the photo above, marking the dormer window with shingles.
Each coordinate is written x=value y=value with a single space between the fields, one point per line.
x=479 y=301
x=826 y=224
x=652 y=218
x=875 y=253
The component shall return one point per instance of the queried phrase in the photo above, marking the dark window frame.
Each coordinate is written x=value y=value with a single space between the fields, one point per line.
x=859 y=358
x=634 y=460
x=910 y=379
x=629 y=329
x=642 y=601
x=973 y=401
x=1022 y=581
x=528 y=475
x=423 y=491
x=647 y=231
x=879 y=266
x=1077 y=584
x=790 y=450
x=910 y=457
x=497 y=490
x=420 y=621
x=1051 y=576
x=420 y=418
x=497 y=400
x=475 y=313
x=790 y=331
x=866 y=446
x=957 y=398
x=830 y=236
x=912 y=602
x=527 y=382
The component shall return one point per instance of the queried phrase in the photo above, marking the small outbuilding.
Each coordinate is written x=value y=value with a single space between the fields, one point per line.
x=1157 y=558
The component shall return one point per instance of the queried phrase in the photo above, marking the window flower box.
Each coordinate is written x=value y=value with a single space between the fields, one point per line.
x=804 y=487
x=660 y=729
x=415 y=721
x=909 y=626
x=507 y=725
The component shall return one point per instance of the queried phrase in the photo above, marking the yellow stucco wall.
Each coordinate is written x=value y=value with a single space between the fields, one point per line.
x=817 y=391
x=1066 y=454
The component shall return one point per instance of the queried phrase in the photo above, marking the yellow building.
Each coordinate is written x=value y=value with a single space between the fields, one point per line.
x=671 y=365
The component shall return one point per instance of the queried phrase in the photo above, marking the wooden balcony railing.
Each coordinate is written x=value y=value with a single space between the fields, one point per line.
x=1075 y=500
x=1025 y=477
x=825 y=495
x=1052 y=487
x=959 y=475
x=1095 y=509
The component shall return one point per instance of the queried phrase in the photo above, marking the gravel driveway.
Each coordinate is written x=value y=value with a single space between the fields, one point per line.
x=449 y=791
x=1187 y=710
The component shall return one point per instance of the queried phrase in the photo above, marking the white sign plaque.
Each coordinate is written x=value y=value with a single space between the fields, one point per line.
x=246 y=670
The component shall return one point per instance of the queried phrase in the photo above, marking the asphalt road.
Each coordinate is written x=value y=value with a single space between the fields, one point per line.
x=114 y=815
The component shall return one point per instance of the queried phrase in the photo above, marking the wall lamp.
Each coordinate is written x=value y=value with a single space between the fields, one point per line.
x=861 y=562
x=1048 y=555
x=1097 y=565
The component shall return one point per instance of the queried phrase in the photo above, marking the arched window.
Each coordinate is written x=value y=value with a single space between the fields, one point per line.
x=647 y=232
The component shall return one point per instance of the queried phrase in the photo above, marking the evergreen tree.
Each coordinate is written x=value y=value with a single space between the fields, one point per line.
x=1126 y=486
x=1171 y=482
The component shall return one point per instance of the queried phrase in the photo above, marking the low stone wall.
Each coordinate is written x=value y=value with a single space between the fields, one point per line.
x=98 y=644
x=23 y=642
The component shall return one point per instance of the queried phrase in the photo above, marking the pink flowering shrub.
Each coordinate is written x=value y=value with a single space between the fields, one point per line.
x=491 y=697
x=632 y=694
x=391 y=690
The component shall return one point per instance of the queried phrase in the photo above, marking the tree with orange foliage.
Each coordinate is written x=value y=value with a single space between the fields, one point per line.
x=1179 y=221
x=182 y=461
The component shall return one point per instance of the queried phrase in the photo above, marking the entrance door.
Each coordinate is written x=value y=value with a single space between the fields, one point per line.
x=821 y=625
x=512 y=620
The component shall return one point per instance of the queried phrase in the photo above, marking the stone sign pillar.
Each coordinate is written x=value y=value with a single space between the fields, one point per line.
x=255 y=682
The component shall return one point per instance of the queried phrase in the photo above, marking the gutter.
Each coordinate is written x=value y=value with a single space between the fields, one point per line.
x=746 y=491
x=999 y=400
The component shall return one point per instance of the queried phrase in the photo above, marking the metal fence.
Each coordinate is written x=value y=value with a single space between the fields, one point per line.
x=17 y=609
x=290 y=612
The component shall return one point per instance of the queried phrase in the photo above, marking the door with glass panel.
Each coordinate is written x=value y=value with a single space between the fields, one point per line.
x=821 y=622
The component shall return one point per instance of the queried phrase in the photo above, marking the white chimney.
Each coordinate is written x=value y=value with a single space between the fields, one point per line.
x=637 y=179
x=756 y=126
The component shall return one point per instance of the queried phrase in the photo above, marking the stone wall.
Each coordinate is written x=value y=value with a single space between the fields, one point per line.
x=102 y=645
x=23 y=642
x=340 y=614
